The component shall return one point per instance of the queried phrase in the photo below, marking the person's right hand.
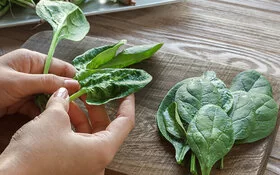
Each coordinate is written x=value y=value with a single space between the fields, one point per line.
x=48 y=145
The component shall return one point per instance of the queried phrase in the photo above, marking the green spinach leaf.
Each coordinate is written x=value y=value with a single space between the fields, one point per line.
x=210 y=135
x=242 y=114
x=266 y=110
x=251 y=81
x=104 y=56
x=67 y=21
x=226 y=96
x=104 y=85
x=132 y=55
x=172 y=129
x=194 y=94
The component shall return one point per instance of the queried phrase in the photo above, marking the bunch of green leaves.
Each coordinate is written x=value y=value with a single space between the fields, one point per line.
x=5 y=5
x=203 y=115
x=101 y=71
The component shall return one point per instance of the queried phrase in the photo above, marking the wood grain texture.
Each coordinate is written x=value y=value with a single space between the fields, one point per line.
x=240 y=33
x=144 y=151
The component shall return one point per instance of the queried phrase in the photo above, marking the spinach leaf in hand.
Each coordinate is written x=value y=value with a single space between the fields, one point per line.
x=132 y=55
x=210 y=135
x=105 y=56
x=95 y=56
x=172 y=129
x=251 y=81
x=67 y=20
x=104 y=85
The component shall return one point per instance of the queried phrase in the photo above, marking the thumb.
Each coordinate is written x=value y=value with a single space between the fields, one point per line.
x=57 y=107
x=46 y=83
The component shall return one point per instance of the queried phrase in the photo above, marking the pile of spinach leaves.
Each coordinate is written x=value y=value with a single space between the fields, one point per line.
x=5 y=5
x=101 y=71
x=202 y=115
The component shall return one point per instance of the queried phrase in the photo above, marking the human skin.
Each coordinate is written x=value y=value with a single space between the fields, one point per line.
x=47 y=144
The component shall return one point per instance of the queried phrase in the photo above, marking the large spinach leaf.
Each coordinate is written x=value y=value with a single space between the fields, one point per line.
x=176 y=133
x=194 y=94
x=226 y=96
x=242 y=114
x=104 y=85
x=210 y=135
x=251 y=81
x=67 y=21
x=266 y=110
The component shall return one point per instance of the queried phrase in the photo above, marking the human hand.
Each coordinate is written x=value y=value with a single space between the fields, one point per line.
x=22 y=78
x=48 y=145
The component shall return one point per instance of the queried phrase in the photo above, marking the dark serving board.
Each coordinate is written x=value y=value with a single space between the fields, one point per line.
x=144 y=151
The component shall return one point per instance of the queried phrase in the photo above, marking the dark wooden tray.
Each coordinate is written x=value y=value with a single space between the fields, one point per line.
x=144 y=151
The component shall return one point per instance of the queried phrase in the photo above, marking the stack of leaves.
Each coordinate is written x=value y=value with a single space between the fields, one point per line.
x=101 y=71
x=5 y=5
x=201 y=114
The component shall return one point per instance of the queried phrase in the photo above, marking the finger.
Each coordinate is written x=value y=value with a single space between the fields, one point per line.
x=28 y=61
x=98 y=117
x=29 y=109
x=44 y=83
x=79 y=119
x=123 y=124
x=56 y=109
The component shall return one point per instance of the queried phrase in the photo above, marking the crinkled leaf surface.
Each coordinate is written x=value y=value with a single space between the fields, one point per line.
x=266 y=110
x=132 y=55
x=226 y=96
x=210 y=135
x=242 y=114
x=194 y=94
x=251 y=81
x=104 y=85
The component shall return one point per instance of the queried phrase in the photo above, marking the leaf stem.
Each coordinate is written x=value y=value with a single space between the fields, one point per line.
x=222 y=163
x=193 y=166
x=51 y=52
x=77 y=94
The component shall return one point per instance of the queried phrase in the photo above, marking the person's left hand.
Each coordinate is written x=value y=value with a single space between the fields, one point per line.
x=21 y=78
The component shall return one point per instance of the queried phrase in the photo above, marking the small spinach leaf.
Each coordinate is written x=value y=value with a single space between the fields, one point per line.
x=251 y=81
x=172 y=129
x=104 y=85
x=242 y=114
x=226 y=96
x=132 y=55
x=67 y=21
x=266 y=110
x=194 y=94
x=210 y=135
x=105 y=56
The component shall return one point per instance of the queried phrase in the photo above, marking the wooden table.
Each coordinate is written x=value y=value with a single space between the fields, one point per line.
x=240 y=33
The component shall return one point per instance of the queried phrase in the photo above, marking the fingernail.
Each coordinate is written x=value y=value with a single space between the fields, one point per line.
x=61 y=92
x=71 y=83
